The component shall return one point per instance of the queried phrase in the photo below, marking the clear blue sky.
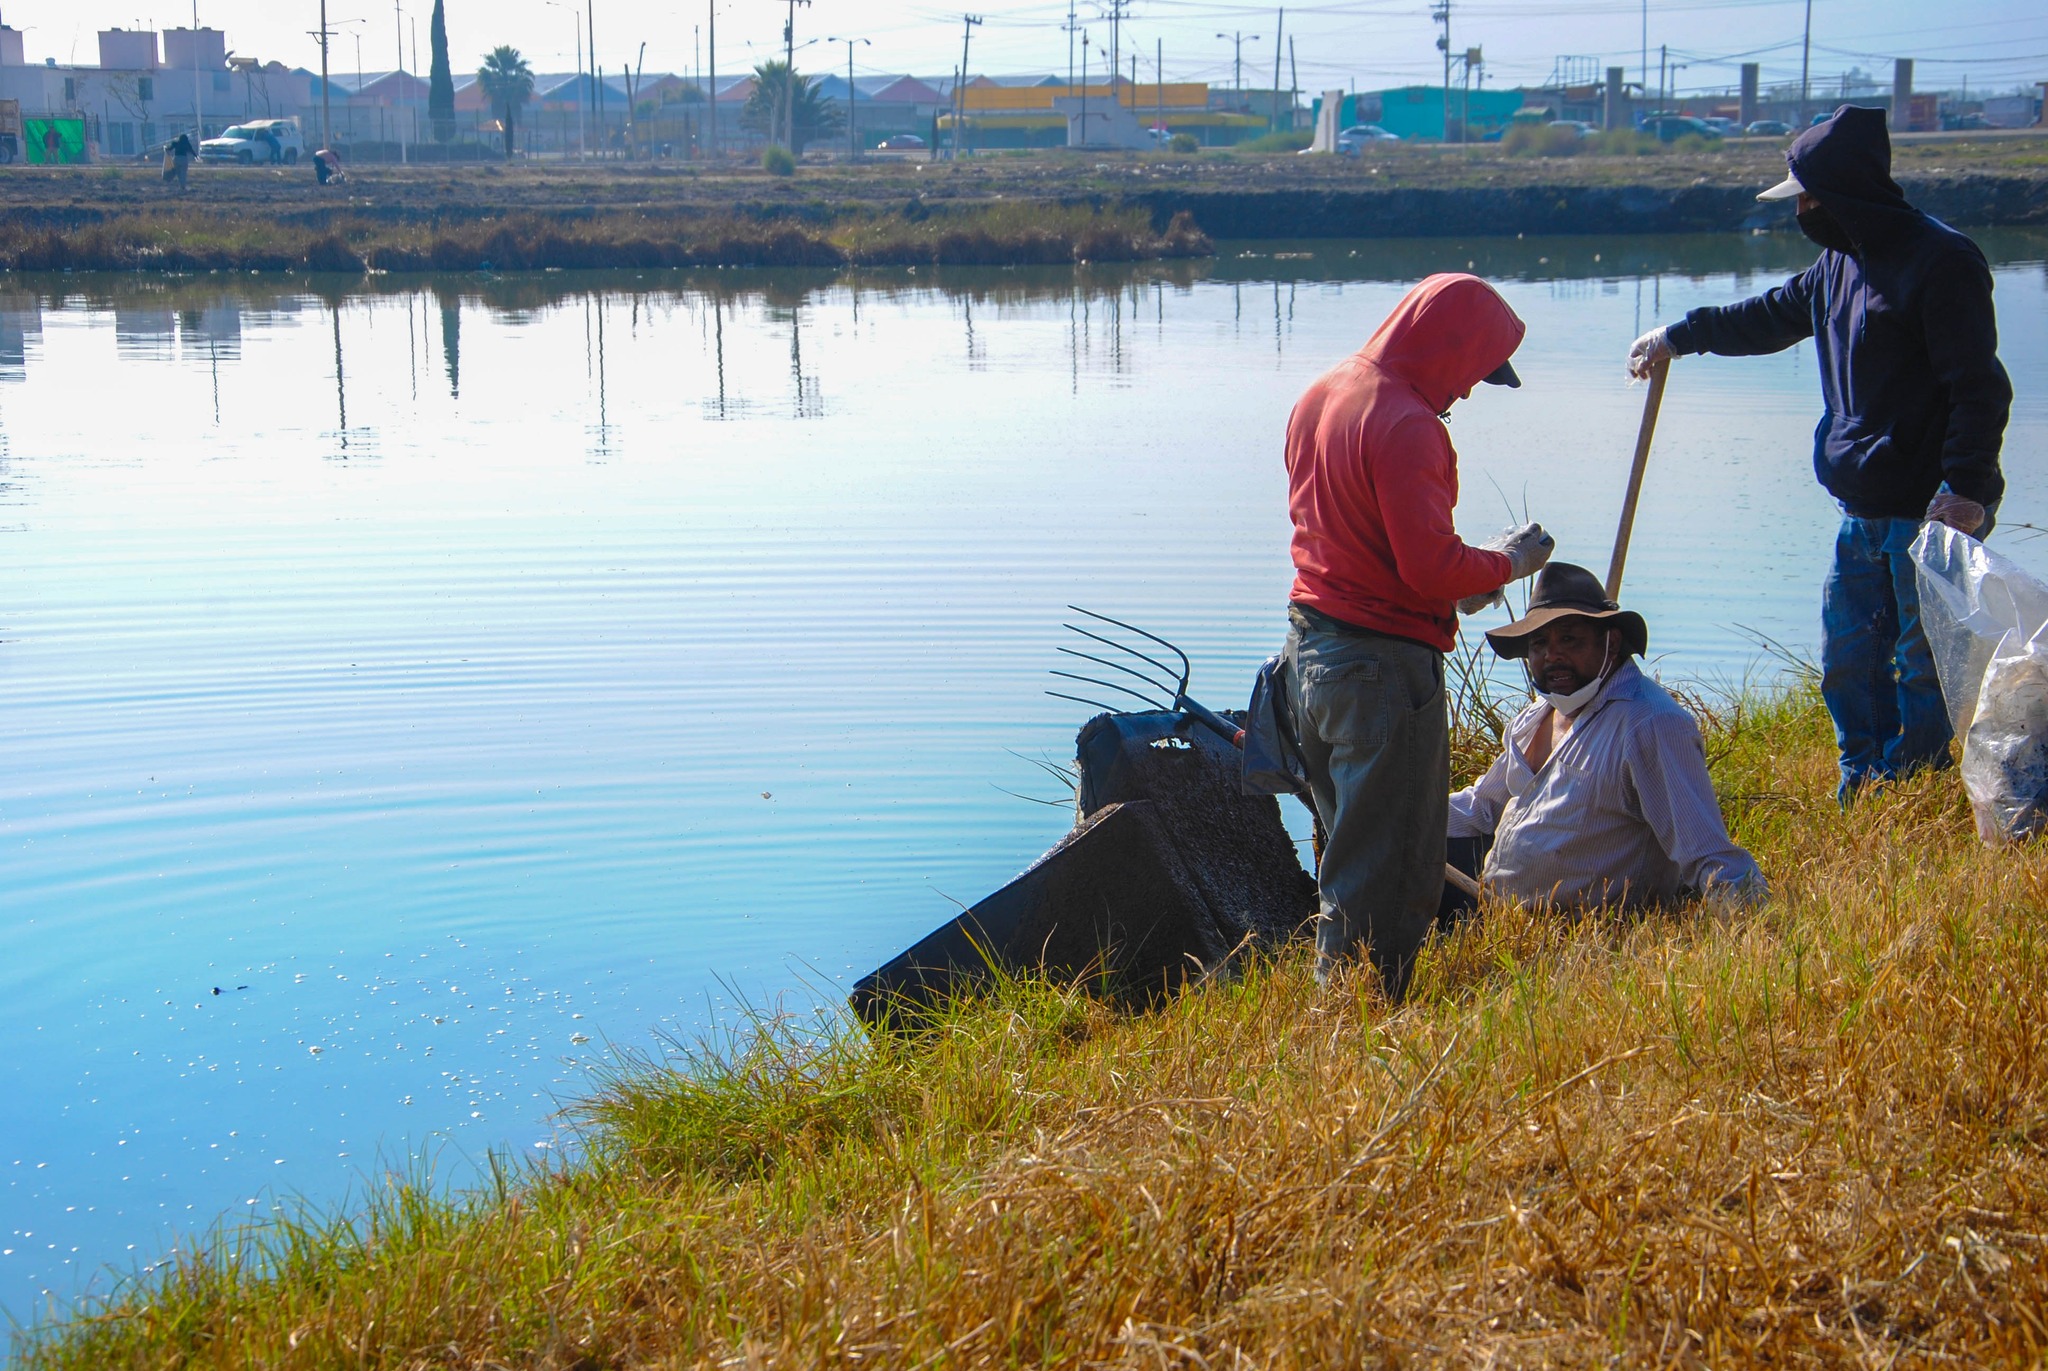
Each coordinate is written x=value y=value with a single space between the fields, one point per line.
x=1372 y=43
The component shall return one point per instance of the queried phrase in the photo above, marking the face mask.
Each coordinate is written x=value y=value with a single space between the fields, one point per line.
x=1577 y=700
x=1826 y=230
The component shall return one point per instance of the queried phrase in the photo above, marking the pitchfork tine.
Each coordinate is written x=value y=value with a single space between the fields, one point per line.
x=1114 y=666
x=1185 y=668
x=1079 y=700
x=1148 y=701
x=1122 y=647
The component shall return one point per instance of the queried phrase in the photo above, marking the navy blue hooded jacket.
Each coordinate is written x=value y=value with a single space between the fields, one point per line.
x=1907 y=340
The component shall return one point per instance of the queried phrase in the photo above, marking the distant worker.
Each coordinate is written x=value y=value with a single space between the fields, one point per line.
x=178 y=160
x=1380 y=574
x=53 y=146
x=327 y=166
x=1915 y=403
x=1600 y=794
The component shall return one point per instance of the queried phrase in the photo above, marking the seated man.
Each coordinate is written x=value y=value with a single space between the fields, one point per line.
x=1601 y=795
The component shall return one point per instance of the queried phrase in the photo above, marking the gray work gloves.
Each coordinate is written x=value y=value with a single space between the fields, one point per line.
x=1959 y=512
x=1528 y=547
x=1653 y=347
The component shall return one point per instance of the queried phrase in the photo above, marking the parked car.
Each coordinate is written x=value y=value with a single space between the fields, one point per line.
x=1669 y=128
x=1967 y=121
x=1722 y=126
x=901 y=142
x=261 y=140
x=1578 y=126
x=1353 y=140
x=1768 y=128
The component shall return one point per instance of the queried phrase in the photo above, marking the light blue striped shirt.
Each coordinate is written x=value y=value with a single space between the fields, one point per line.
x=1622 y=813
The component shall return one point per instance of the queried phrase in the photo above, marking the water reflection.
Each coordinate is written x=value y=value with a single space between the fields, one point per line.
x=470 y=757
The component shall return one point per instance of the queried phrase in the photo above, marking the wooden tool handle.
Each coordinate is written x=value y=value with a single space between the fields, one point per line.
x=1651 y=403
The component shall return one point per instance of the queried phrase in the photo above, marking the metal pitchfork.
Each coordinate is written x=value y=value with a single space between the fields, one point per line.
x=1173 y=686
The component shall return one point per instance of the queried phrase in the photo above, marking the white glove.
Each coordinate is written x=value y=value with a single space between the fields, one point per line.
x=1959 y=512
x=1653 y=347
x=1527 y=547
x=1484 y=600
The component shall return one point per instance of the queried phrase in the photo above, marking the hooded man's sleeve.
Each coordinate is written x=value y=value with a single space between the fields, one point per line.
x=1429 y=556
x=1771 y=322
x=1961 y=332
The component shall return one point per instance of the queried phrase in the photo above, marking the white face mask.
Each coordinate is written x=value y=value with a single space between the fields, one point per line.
x=1571 y=704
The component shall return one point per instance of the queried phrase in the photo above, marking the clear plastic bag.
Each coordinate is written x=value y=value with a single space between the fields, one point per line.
x=1987 y=623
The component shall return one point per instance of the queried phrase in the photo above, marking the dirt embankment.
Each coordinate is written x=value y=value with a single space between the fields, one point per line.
x=990 y=210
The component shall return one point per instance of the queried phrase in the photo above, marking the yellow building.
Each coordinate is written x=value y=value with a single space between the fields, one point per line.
x=1040 y=116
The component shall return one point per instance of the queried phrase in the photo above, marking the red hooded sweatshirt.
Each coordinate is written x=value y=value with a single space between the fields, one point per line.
x=1371 y=474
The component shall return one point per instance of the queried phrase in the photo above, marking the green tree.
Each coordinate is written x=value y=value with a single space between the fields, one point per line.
x=508 y=85
x=441 y=80
x=813 y=115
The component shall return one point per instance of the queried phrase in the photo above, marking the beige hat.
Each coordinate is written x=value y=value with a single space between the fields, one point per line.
x=1784 y=190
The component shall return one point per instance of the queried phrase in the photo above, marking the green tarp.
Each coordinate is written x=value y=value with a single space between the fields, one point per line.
x=69 y=145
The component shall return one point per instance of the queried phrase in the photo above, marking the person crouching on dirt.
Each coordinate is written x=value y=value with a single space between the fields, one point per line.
x=1379 y=576
x=1600 y=794
x=180 y=167
x=326 y=166
x=1915 y=403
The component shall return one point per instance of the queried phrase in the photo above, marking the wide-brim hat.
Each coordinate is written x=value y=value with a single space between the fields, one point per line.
x=1564 y=591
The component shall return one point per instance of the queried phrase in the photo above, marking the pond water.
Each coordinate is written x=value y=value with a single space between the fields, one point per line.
x=388 y=725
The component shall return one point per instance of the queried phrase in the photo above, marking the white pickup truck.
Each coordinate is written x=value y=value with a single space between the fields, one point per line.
x=260 y=140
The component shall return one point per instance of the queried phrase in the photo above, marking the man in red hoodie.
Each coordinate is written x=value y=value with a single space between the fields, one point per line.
x=1379 y=576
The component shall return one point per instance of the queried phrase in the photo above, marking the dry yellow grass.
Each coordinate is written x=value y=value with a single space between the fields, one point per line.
x=1814 y=1134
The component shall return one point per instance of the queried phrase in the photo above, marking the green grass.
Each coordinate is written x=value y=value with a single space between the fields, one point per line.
x=1814 y=1133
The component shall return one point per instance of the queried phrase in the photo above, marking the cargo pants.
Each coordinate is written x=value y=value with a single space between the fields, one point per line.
x=1371 y=716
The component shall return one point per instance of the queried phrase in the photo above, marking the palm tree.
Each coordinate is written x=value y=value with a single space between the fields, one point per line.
x=813 y=115
x=508 y=83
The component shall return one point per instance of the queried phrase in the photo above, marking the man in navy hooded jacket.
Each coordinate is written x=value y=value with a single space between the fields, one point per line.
x=1899 y=307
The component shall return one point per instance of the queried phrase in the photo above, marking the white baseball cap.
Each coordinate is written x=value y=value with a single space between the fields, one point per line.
x=1784 y=190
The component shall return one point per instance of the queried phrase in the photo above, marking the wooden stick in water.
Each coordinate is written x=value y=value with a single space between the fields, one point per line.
x=1651 y=403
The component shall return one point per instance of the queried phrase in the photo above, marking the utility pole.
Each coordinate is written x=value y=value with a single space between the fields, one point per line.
x=597 y=94
x=1442 y=15
x=1116 y=14
x=1663 y=69
x=198 y=101
x=1279 y=28
x=1069 y=30
x=326 y=118
x=789 y=76
x=398 y=27
x=852 y=139
x=711 y=88
x=1805 y=58
x=960 y=86
x=1293 y=84
x=1159 y=82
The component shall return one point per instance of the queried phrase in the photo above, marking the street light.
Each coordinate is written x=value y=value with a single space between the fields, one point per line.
x=1237 y=42
x=852 y=138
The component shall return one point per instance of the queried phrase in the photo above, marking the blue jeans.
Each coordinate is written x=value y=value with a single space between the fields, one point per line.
x=1877 y=674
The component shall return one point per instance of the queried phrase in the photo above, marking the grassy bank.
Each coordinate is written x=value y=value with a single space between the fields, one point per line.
x=996 y=209
x=199 y=239
x=1815 y=1133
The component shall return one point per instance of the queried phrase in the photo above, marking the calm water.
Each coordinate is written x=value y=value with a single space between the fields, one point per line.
x=462 y=678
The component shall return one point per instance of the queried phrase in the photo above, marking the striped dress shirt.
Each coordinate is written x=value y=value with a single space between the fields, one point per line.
x=1621 y=813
